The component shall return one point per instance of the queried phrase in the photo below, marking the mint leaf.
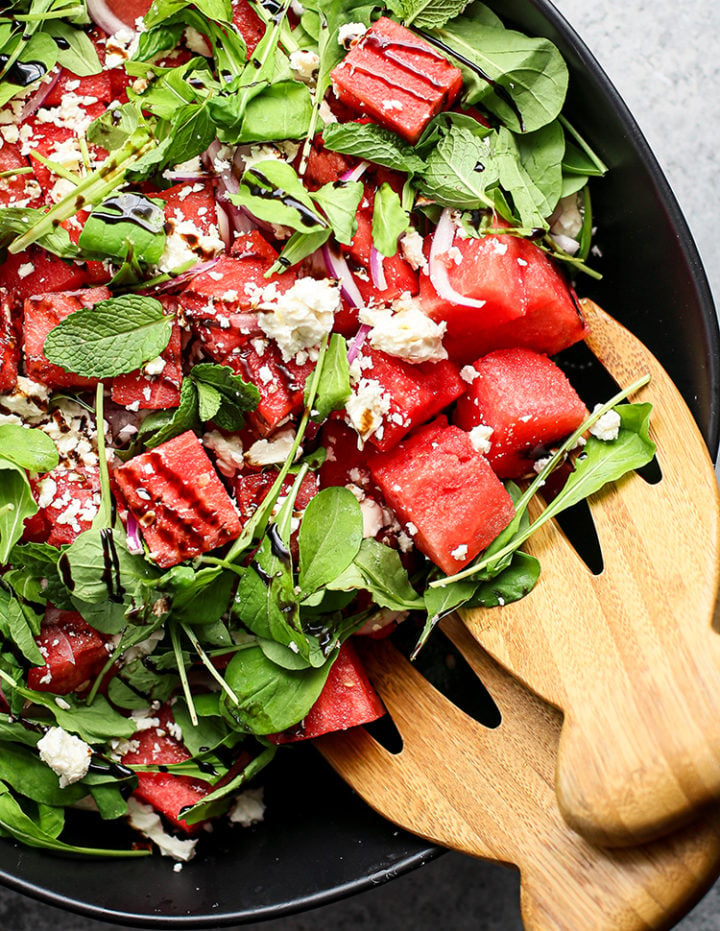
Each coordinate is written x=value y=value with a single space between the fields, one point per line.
x=237 y=397
x=456 y=173
x=374 y=144
x=113 y=337
x=169 y=424
x=389 y=220
x=427 y=13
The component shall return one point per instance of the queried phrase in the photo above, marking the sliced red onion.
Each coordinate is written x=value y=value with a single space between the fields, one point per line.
x=33 y=103
x=354 y=174
x=377 y=270
x=357 y=341
x=223 y=222
x=181 y=279
x=338 y=268
x=182 y=176
x=134 y=543
x=101 y=14
x=441 y=244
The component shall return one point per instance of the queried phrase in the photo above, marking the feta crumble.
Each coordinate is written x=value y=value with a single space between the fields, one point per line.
x=405 y=332
x=302 y=316
x=248 y=808
x=350 y=34
x=67 y=755
x=304 y=64
x=144 y=819
x=607 y=427
x=480 y=438
x=367 y=406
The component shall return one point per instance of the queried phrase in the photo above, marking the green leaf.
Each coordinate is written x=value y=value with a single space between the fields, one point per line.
x=513 y=583
x=281 y=111
x=529 y=72
x=31 y=449
x=123 y=223
x=330 y=536
x=236 y=397
x=109 y=800
x=531 y=205
x=374 y=144
x=334 y=386
x=23 y=769
x=209 y=401
x=184 y=417
x=270 y=698
x=113 y=337
x=97 y=567
x=34 y=574
x=94 y=723
x=299 y=247
x=339 y=202
x=16 y=504
x=389 y=220
x=17 y=220
x=76 y=51
x=379 y=570
x=456 y=173
x=427 y=13
x=115 y=126
x=23 y=635
x=272 y=191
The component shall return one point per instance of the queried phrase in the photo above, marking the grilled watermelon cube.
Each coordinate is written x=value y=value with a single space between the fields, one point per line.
x=415 y=392
x=157 y=386
x=347 y=700
x=443 y=489
x=489 y=269
x=178 y=500
x=281 y=384
x=168 y=793
x=526 y=400
x=68 y=500
x=38 y=272
x=397 y=79
x=9 y=343
x=42 y=313
x=74 y=653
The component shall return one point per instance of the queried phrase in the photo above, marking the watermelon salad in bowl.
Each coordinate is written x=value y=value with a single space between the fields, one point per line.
x=286 y=290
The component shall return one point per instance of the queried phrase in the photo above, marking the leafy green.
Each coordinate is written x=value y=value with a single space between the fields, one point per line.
x=16 y=504
x=113 y=337
x=123 y=223
x=389 y=220
x=30 y=449
x=330 y=536
x=427 y=13
x=272 y=191
x=333 y=388
x=373 y=143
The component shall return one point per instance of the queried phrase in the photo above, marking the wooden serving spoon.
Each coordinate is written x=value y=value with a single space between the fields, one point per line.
x=490 y=793
x=629 y=655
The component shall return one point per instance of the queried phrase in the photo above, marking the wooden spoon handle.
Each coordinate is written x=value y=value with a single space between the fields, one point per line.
x=629 y=655
x=490 y=793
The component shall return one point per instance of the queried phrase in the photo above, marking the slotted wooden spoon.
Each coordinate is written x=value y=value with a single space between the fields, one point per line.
x=630 y=655
x=490 y=793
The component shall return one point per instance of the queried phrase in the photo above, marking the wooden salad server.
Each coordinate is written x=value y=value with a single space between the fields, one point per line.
x=491 y=793
x=630 y=656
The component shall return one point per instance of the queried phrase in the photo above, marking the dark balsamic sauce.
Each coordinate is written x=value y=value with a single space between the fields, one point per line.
x=22 y=73
x=277 y=547
x=65 y=572
x=270 y=193
x=111 y=567
x=131 y=208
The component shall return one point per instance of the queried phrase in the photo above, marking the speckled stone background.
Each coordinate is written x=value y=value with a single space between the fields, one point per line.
x=664 y=57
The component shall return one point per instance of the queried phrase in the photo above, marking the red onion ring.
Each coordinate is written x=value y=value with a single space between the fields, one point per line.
x=377 y=270
x=223 y=222
x=357 y=341
x=338 y=268
x=33 y=104
x=354 y=174
x=181 y=279
x=134 y=543
x=441 y=244
x=101 y=14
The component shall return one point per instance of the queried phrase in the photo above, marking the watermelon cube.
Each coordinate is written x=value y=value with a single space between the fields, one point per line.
x=42 y=313
x=181 y=505
x=39 y=272
x=415 y=392
x=347 y=700
x=526 y=400
x=68 y=500
x=168 y=793
x=9 y=344
x=74 y=653
x=452 y=503
x=251 y=488
x=157 y=386
x=397 y=79
x=17 y=190
x=248 y=24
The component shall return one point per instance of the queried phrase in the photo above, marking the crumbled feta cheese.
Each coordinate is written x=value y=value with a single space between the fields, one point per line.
x=480 y=438
x=367 y=406
x=469 y=373
x=272 y=451
x=326 y=114
x=460 y=552
x=144 y=648
x=185 y=244
x=411 y=246
x=67 y=755
x=27 y=402
x=248 y=808
x=373 y=515
x=155 y=366
x=228 y=451
x=27 y=268
x=566 y=223
x=350 y=34
x=143 y=719
x=46 y=490
x=145 y=820
x=197 y=42
x=305 y=64
x=119 y=47
x=607 y=427
x=540 y=464
x=298 y=319
x=404 y=331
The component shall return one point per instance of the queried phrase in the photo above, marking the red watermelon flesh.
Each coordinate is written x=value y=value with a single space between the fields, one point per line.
x=71 y=497
x=396 y=78
x=9 y=343
x=154 y=391
x=443 y=489
x=528 y=402
x=74 y=653
x=248 y=24
x=178 y=500
x=36 y=271
x=347 y=700
x=44 y=312
x=17 y=190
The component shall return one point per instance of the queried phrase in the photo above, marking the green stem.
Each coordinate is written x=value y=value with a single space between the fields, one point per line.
x=207 y=663
x=182 y=672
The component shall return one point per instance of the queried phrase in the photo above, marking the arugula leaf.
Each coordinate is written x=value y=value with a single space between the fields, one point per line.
x=94 y=723
x=31 y=449
x=113 y=337
x=97 y=567
x=16 y=504
x=23 y=634
x=377 y=569
x=272 y=191
x=374 y=144
x=282 y=111
x=297 y=248
x=389 y=220
x=17 y=220
x=339 y=202
x=333 y=388
x=76 y=51
x=330 y=536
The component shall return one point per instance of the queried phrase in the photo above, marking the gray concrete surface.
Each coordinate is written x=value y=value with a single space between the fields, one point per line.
x=663 y=57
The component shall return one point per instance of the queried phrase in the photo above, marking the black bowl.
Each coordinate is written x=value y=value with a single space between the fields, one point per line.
x=319 y=842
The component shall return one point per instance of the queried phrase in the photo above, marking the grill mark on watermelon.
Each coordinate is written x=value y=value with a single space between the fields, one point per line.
x=386 y=44
x=424 y=98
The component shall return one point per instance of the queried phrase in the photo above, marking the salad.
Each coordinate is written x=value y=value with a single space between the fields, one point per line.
x=280 y=285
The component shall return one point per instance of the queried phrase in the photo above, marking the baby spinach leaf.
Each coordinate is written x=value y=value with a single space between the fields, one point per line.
x=374 y=144
x=385 y=577
x=97 y=567
x=109 y=800
x=94 y=723
x=330 y=536
x=334 y=385
x=31 y=449
x=113 y=337
x=23 y=769
x=513 y=583
x=23 y=634
x=270 y=698
x=389 y=220
x=16 y=504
